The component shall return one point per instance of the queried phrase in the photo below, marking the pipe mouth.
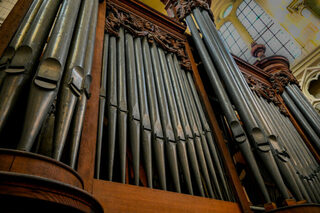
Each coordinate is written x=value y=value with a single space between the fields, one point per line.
x=238 y=132
x=260 y=140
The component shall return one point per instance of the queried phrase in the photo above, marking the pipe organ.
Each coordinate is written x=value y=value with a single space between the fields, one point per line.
x=115 y=106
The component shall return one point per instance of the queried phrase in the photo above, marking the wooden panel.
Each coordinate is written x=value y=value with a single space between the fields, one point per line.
x=117 y=197
x=11 y=23
x=15 y=188
x=306 y=208
x=87 y=151
x=227 y=160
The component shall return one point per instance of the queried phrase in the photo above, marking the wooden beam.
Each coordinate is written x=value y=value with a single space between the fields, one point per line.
x=87 y=152
x=118 y=197
x=227 y=160
x=12 y=22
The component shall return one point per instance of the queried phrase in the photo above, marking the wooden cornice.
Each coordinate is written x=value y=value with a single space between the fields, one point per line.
x=141 y=20
x=245 y=67
x=166 y=23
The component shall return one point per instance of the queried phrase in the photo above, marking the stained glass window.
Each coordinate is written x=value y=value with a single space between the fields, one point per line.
x=266 y=31
x=234 y=42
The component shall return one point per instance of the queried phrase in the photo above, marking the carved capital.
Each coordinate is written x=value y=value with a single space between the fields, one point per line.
x=281 y=79
x=141 y=27
x=185 y=7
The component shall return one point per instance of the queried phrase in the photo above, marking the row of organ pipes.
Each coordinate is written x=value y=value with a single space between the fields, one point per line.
x=45 y=78
x=152 y=124
x=150 y=108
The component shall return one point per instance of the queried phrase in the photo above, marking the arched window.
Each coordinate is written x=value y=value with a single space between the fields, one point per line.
x=234 y=42
x=266 y=31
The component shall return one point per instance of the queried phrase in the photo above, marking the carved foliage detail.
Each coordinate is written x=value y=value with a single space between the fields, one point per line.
x=185 y=7
x=138 y=26
x=265 y=91
x=281 y=79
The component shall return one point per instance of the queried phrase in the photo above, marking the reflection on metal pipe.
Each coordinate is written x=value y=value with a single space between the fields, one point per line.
x=165 y=118
x=18 y=37
x=102 y=104
x=158 y=142
x=303 y=122
x=112 y=103
x=21 y=68
x=192 y=156
x=226 y=106
x=133 y=103
x=146 y=134
x=77 y=123
x=72 y=79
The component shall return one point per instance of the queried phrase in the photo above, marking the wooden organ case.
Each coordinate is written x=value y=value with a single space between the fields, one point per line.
x=151 y=141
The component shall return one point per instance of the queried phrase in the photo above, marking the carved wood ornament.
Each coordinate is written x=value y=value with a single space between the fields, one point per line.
x=281 y=79
x=141 y=27
x=185 y=7
x=265 y=91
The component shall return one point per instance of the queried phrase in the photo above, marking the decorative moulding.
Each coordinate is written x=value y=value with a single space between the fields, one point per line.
x=139 y=26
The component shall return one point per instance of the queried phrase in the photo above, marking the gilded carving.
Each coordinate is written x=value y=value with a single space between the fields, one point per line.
x=138 y=26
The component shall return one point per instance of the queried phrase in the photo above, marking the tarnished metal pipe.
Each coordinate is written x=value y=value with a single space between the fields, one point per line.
x=241 y=95
x=307 y=113
x=144 y=111
x=102 y=104
x=18 y=37
x=192 y=156
x=111 y=108
x=306 y=102
x=203 y=138
x=122 y=104
x=146 y=129
x=175 y=118
x=226 y=106
x=281 y=156
x=45 y=85
x=21 y=68
x=165 y=119
x=71 y=84
x=133 y=105
x=214 y=152
x=277 y=117
x=45 y=138
x=158 y=137
x=196 y=132
x=303 y=122
x=77 y=122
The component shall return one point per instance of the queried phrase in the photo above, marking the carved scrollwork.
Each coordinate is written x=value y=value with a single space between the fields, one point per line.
x=265 y=91
x=281 y=79
x=141 y=27
x=185 y=7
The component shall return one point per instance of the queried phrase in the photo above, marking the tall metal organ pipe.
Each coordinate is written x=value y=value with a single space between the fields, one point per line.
x=242 y=97
x=42 y=48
